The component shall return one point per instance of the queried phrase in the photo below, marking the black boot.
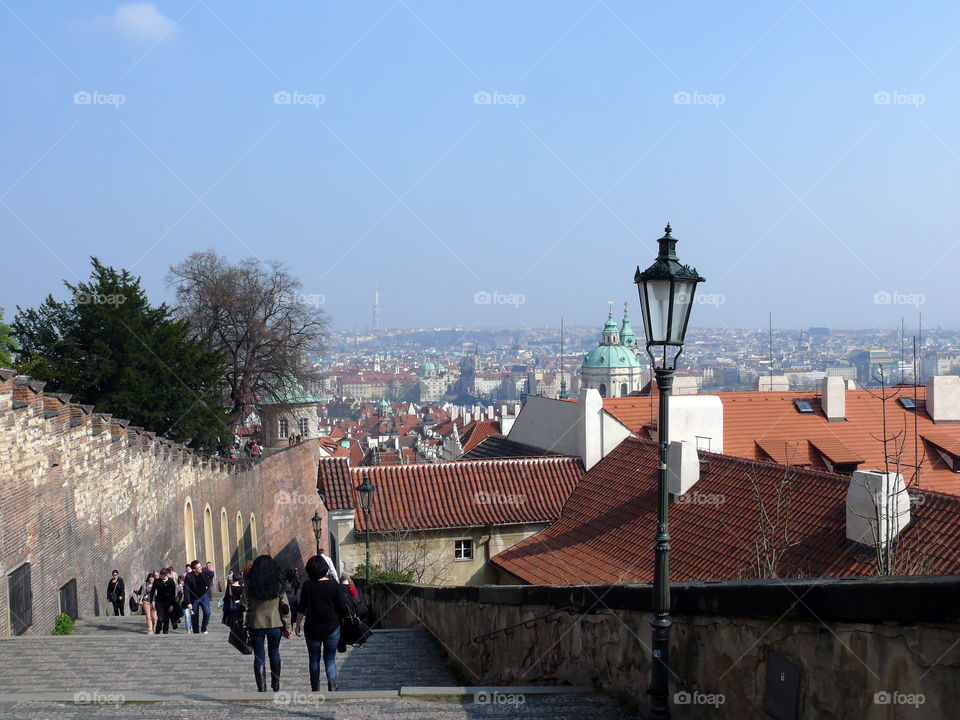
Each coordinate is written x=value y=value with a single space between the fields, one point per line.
x=258 y=673
x=314 y=686
x=332 y=686
x=275 y=675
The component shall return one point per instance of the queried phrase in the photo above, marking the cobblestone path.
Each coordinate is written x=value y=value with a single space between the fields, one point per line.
x=109 y=668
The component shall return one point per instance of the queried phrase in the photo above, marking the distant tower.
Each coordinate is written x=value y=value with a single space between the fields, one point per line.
x=376 y=311
x=563 y=379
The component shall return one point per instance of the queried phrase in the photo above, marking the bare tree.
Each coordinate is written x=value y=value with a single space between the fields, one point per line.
x=891 y=557
x=254 y=311
x=775 y=533
x=402 y=551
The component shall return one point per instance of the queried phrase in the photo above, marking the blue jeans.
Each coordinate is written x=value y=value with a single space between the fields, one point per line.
x=201 y=604
x=272 y=636
x=328 y=647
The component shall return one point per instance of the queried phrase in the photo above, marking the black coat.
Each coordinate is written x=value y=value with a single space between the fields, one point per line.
x=116 y=587
x=353 y=630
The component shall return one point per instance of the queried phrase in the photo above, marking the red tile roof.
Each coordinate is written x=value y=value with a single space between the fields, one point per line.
x=606 y=531
x=752 y=421
x=458 y=495
x=333 y=480
x=474 y=433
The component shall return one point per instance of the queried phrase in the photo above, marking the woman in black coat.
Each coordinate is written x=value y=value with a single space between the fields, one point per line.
x=164 y=599
x=322 y=606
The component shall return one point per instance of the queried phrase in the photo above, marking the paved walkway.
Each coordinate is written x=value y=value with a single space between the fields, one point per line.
x=109 y=668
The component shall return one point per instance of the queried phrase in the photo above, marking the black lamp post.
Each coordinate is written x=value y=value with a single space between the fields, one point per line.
x=366 y=490
x=317 y=528
x=667 y=290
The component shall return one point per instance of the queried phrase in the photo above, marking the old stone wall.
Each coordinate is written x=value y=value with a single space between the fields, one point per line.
x=82 y=493
x=863 y=648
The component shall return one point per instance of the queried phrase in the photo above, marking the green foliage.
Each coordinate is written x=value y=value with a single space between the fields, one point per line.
x=7 y=346
x=107 y=346
x=383 y=577
x=64 y=625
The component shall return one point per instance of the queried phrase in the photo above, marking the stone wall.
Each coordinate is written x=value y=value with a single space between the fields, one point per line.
x=82 y=493
x=849 y=639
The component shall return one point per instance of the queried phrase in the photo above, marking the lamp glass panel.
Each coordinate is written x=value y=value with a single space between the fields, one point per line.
x=682 y=302
x=658 y=301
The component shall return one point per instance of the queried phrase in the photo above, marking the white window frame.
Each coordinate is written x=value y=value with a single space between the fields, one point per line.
x=283 y=428
x=459 y=546
x=303 y=425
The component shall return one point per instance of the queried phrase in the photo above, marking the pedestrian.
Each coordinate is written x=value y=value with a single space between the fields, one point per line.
x=164 y=597
x=322 y=606
x=348 y=581
x=209 y=574
x=268 y=617
x=196 y=593
x=331 y=567
x=255 y=450
x=173 y=574
x=182 y=605
x=232 y=596
x=146 y=602
x=115 y=593
x=292 y=579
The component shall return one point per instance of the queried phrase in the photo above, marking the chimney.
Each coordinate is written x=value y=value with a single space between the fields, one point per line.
x=683 y=467
x=490 y=414
x=943 y=398
x=833 y=399
x=454 y=412
x=878 y=507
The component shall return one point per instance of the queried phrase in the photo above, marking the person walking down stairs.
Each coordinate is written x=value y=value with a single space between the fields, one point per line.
x=268 y=616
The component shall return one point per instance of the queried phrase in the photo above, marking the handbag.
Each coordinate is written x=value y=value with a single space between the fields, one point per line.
x=239 y=636
x=134 y=605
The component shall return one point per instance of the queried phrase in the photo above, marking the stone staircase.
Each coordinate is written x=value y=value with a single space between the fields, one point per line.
x=110 y=668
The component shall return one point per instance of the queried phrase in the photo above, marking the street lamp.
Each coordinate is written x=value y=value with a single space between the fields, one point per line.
x=317 y=528
x=366 y=490
x=666 y=290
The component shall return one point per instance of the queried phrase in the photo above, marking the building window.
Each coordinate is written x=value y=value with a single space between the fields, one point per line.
x=283 y=430
x=603 y=390
x=463 y=549
x=304 y=426
x=623 y=390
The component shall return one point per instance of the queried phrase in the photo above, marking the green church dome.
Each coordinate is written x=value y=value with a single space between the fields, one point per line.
x=611 y=356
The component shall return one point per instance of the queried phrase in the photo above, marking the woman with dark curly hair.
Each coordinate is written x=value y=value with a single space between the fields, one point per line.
x=268 y=616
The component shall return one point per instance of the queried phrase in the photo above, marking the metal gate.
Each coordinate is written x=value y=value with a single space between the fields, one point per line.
x=21 y=599
x=68 y=599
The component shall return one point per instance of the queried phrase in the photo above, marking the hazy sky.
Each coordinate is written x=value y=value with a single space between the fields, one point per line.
x=806 y=153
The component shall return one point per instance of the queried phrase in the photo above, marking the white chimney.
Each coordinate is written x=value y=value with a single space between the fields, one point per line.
x=943 y=398
x=490 y=414
x=683 y=467
x=833 y=398
x=506 y=424
x=467 y=418
x=878 y=507
x=454 y=412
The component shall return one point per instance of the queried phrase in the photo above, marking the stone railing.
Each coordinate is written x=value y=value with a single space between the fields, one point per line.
x=819 y=648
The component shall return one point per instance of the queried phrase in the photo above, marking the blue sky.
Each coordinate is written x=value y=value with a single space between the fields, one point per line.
x=806 y=153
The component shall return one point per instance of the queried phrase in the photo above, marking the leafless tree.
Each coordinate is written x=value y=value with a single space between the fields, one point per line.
x=775 y=531
x=891 y=556
x=255 y=312
x=400 y=551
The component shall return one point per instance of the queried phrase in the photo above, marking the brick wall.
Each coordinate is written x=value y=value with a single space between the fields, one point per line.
x=82 y=493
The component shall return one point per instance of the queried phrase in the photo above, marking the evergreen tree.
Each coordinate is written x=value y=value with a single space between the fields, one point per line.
x=107 y=346
x=7 y=345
